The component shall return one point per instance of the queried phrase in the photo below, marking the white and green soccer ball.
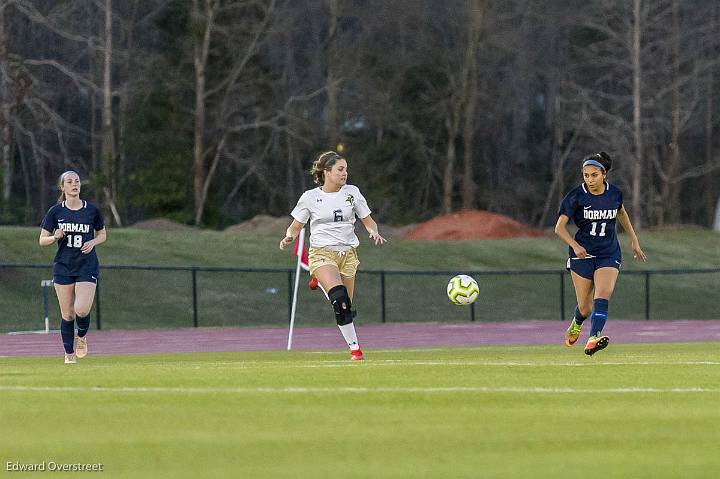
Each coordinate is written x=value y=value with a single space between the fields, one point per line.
x=462 y=290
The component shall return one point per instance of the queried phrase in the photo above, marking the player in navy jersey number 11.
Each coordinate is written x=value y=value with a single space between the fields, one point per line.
x=331 y=209
x=77 y=227
x=594 y=253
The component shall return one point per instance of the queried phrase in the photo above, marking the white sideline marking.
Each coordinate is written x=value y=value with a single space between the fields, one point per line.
x=420 y=362
x=405 y=363
x=589 y=362
x=362 y=390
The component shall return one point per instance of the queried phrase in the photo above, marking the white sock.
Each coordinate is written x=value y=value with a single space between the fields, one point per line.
x=348 y=332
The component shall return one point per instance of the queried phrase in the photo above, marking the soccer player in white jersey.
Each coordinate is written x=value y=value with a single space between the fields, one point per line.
x=331 y=209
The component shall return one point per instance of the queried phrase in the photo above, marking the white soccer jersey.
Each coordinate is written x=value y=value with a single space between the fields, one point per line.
x=332 y=215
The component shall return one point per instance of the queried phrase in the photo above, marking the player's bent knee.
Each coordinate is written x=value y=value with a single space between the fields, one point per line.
x=340 y=300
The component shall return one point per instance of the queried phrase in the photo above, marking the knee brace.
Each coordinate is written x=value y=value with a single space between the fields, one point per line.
x=340 y=300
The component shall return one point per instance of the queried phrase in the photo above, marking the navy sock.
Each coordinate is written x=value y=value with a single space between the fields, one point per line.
x=579 y=318
x=83 y=324
x=599 y=316
x=67 y=331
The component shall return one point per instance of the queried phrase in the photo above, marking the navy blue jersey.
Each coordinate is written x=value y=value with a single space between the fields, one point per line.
x=596 y=217
x=79 y=226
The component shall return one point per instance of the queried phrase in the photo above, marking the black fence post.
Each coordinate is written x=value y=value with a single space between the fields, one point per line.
x=97 y=305
x=383 y=286
x=194 y=296
x=647 y=295
x=472 y=311
x=562 y=296
x=382 y=296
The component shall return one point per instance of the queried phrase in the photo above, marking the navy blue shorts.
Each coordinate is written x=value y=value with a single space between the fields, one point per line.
x=82 y=278
x=587 y=267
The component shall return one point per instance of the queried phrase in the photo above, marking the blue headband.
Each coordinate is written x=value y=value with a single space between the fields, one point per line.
x=593 y=163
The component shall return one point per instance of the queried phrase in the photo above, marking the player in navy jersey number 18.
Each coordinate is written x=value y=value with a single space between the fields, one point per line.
x=594 y=253
x=331 y=209
x=77 y=226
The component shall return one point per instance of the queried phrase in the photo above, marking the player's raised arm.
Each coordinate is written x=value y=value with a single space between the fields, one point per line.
x=624 y=220
x=372 y=229
x=47 y=238
x=100 y=237
x=564 y=234
x=291 y=234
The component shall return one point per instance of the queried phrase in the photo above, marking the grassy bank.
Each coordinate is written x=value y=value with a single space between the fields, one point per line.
x=152 y=299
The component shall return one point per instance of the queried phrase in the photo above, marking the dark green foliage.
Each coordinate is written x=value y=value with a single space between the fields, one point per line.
x=546 y=74
x=160 y=181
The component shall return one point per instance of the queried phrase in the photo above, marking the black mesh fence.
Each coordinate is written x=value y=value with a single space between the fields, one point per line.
x=134 y=297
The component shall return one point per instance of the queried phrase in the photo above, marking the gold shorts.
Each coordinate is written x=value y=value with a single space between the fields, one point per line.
x=346 y=261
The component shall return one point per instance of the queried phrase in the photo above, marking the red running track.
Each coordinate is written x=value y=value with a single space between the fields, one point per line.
x=373 y=336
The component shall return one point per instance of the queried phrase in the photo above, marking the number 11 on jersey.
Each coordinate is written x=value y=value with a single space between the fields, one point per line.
x=593 y=231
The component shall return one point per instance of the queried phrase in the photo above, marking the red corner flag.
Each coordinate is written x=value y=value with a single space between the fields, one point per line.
x=300 y=245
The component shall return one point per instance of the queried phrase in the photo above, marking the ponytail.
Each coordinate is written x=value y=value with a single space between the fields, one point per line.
x=324 y=162
x=605 y=160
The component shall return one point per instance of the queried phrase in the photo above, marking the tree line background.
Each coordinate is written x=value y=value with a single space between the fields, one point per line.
x=209 y=112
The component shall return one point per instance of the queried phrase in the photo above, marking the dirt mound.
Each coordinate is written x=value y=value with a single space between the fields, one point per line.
x=471 y=225
x=161 y=224
x=262 y=224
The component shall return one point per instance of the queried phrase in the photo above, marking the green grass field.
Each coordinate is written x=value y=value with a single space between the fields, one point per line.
x=632 y=411
x=162 y=299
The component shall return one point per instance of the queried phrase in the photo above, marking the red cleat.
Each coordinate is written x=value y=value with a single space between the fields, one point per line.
x=356 y=355
x=595 y=344
x=313 y=284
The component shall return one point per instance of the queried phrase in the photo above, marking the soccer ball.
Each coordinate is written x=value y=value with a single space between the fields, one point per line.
x=462 y=290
